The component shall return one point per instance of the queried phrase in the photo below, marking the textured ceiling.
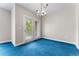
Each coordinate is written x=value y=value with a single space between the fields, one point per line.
x=6 y=6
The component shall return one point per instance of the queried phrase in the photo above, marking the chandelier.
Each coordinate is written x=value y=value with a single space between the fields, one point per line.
x=43 y=10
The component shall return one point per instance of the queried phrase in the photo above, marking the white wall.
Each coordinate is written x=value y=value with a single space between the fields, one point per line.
x=5 y=26
x=13 y=25
x=19 y=16
x=77 y=23
x=61 y=24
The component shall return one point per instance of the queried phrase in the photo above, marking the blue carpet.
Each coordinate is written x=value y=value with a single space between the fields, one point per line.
x=41 y=47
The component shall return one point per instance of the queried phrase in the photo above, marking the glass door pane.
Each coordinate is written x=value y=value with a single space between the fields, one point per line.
x=28 y=28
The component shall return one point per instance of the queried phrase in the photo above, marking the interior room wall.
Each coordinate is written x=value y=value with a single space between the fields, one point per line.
x=61 y=25
x=77 y=23
x=19 y=14
x=5 y=29
x=13 y=25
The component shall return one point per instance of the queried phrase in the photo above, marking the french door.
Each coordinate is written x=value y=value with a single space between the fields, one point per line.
x=30 y=28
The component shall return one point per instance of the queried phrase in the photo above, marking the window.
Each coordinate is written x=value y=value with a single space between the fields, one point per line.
x=28 y=26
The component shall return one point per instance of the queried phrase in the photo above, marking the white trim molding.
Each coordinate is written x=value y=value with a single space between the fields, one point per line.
x=59 y=40
x=1 y=42
x=25 y=42
x=76 y=45
x=76 y=14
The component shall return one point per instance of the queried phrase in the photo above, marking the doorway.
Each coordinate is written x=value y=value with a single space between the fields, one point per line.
x=30 y=28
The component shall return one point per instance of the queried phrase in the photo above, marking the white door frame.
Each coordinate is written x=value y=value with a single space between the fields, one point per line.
x=33 y=29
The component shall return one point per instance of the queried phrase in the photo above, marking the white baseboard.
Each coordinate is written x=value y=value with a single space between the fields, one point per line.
x=77 y=46
x=38 y=38
x=1 y=42
x=59 y=40
x=19 y=44
x=13 y=43
x=24 y=42
x=46 y=38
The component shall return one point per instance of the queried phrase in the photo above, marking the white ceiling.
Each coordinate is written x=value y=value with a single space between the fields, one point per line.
x=52 y=7
x=6 y=6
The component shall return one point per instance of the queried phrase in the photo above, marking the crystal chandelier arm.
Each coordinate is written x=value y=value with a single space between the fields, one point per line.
x=42 y=10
